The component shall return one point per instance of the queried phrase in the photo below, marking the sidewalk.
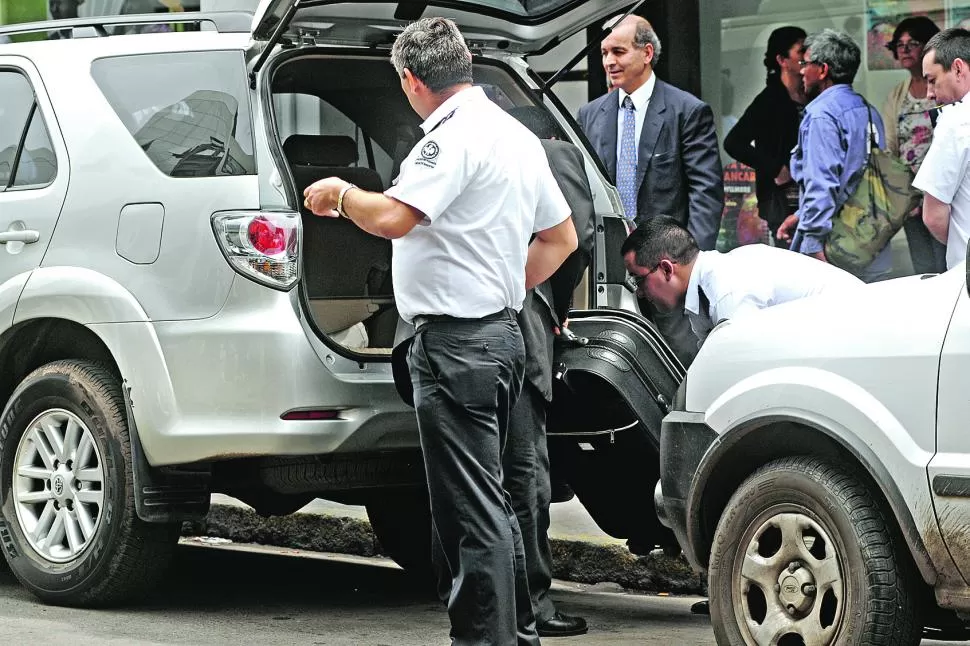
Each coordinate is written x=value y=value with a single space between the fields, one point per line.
x=581 y=551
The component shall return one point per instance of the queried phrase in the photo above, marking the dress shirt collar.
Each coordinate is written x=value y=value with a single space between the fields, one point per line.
x=641 y=95
x=693 y=299
x=453 y=102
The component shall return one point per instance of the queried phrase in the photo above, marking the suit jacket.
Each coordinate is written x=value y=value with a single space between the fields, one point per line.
x=679 y=170
x=548 y=303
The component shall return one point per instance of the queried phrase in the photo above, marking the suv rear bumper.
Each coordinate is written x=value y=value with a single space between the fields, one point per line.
x=216 y=388
x=685 y=439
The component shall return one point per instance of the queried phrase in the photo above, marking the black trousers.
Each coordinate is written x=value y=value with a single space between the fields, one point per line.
x=467 y=375
x=927 y=253
x=526 y=466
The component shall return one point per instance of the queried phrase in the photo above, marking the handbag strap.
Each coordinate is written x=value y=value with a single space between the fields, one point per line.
x=872 y=142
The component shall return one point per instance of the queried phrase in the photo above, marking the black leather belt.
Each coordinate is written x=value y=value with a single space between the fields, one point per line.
x=424 y=319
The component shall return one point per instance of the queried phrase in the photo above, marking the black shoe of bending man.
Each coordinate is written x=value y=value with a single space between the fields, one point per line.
x=562 y=625
x=701 y=608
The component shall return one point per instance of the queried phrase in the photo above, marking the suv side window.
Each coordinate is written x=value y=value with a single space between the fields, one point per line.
x=188 y=111
x=26 y=154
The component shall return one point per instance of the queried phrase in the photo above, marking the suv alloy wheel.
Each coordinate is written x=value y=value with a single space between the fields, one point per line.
x=69 y=528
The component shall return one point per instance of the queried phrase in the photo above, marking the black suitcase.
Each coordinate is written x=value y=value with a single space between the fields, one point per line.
x=611 y=389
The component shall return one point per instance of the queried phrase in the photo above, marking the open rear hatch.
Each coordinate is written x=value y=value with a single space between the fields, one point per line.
x=357 y=125
x=520 y=26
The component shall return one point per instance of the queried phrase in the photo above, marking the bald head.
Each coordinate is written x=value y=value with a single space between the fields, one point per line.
x=630 y=52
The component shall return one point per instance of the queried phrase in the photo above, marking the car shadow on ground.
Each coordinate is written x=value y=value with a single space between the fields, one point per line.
x=255 y=591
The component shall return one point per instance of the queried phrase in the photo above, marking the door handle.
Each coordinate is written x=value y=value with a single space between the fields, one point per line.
x=27 y=237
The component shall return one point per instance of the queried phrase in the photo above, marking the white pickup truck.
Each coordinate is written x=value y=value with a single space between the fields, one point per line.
x=816 y=466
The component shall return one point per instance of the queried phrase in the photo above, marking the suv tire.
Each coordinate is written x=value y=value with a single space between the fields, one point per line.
x=817 y=555
x=69 y=528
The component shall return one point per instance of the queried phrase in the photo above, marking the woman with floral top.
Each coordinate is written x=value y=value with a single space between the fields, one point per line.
x=909 y=130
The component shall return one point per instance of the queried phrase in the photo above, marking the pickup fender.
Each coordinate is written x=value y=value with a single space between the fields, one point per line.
x=855 y=420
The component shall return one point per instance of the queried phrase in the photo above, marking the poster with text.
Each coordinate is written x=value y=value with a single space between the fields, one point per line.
x=740 y=223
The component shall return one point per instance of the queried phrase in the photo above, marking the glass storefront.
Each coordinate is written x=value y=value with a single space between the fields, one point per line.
x=734 y=34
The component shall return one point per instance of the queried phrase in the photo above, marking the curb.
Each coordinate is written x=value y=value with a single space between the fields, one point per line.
x=576 y=561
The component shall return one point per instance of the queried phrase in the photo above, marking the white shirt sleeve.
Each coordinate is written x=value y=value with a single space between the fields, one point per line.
x=946 y=163
x=434 y=173
x=553 y=208
x=733 y=305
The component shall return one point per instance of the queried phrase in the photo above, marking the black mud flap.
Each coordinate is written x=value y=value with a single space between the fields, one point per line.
x=612 y=387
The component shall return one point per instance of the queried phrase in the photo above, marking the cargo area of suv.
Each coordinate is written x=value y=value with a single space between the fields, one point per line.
x=346 y=116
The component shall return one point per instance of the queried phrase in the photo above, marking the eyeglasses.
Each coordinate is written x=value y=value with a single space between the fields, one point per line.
x=806 y=63
x=908 y=46
x=634 y=281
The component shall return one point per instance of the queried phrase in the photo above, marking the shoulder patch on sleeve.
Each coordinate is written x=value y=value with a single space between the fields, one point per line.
x=429 y=154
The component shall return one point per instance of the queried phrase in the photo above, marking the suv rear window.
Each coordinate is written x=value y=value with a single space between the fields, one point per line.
x=188 y=111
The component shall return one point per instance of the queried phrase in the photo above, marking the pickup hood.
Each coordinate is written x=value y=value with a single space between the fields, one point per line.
x=885 y=337
x=509 y=25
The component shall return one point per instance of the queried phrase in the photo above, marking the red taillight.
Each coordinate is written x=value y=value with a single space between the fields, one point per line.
x=266 y=237
x=262 y=245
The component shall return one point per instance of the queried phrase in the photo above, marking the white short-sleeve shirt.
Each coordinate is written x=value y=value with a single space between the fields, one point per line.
x=483 y=182
x=945 y=174
x=753 y=277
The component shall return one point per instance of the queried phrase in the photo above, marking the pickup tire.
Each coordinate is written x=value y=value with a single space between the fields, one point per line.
x=69 y=528
x=803 y=554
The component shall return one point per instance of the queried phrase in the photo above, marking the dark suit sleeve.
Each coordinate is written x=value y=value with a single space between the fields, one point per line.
x=582 y=117
x=569 y=169
x=705 y=179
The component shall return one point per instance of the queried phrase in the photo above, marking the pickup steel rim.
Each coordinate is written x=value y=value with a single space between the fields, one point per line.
x=58 y=485
x=788 y=583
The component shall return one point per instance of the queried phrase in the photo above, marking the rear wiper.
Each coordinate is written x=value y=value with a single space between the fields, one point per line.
x=582 y=54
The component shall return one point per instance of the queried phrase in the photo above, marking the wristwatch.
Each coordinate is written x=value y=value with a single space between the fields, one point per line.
x=340 y=200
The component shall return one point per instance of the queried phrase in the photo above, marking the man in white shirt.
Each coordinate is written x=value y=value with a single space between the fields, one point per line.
x=667 y=267
x=944 y=176
x=460 y=214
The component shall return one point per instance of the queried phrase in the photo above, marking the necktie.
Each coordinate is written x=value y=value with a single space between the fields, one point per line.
x=626 y=165
x=705 y=302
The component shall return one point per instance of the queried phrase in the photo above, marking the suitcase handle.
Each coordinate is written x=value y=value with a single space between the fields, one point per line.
x=568 y=336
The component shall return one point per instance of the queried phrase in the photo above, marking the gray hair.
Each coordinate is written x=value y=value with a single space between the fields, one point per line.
x=837 y=50
x=643 y=36
x=435 y=52
x=949 y=45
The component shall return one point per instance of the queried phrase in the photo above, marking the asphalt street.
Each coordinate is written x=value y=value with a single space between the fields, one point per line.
x=242 y=595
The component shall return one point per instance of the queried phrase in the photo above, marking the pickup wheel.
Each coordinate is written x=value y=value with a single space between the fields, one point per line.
x=68 y=526
x=803 y=555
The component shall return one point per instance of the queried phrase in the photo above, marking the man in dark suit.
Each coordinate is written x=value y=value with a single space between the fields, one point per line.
x=525 y=461
x=675 y=164
x=659 y=145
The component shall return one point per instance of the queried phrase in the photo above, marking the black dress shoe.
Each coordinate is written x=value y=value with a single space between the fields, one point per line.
x=701 y=608
x=562 y=626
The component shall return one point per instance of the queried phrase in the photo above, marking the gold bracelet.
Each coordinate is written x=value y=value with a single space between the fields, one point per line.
x=340 y=200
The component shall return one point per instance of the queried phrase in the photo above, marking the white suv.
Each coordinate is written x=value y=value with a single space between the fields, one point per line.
x=171 y=324
x=817 y=467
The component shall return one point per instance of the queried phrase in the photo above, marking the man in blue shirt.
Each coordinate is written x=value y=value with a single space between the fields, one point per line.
x=832 y=145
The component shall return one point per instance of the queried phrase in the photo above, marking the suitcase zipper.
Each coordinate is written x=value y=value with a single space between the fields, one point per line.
x=610 y=431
